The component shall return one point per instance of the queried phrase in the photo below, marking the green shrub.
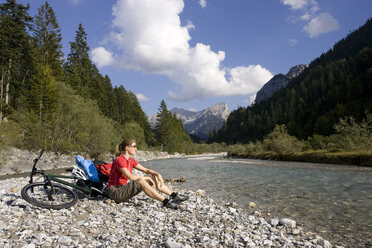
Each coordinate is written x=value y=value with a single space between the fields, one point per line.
x=10 y=134
x=353 y=136
x=76 y=125
x=280 y=141
x=318 y=142
x=134 y=131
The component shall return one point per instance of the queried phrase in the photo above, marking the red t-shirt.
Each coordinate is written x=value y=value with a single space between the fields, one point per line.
x=116 y=177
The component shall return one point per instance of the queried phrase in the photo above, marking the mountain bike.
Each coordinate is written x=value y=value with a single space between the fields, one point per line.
x=52 y=193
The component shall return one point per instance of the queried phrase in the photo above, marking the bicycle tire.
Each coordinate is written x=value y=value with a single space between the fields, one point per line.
x=36 y=194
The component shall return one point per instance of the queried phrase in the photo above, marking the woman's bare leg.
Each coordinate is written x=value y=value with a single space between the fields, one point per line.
x=163 y=188
x=149 y=190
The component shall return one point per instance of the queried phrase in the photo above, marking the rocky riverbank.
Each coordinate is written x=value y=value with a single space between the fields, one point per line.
x=199 y=222
x=16 y=161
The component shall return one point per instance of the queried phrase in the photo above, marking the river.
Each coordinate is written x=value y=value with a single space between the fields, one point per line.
x=334 y=201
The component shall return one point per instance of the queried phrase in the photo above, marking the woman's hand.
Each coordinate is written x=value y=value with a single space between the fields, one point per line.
x=159 y=179
x=150 y=181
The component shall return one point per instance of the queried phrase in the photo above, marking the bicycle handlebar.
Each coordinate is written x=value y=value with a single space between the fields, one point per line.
x=34 y=170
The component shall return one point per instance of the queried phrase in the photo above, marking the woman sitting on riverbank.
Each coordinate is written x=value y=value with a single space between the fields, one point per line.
x=121 y=191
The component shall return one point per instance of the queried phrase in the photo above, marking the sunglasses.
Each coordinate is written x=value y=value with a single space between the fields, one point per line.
x=133 y=146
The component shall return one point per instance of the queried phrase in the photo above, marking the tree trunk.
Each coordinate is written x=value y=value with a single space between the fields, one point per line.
x=1 y=95
x=6 y=101
x=7 y=91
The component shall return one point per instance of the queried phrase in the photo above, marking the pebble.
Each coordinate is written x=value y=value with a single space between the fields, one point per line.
x=288 y=222
x=143 y=222
x=170 y=243
x=200 y=192
x=274 y=222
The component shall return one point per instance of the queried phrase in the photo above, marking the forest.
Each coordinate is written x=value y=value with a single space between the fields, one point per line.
x=66 y=105
x=336 y=85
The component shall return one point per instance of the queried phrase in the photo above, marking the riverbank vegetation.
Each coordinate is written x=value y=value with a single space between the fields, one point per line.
x=350 y=144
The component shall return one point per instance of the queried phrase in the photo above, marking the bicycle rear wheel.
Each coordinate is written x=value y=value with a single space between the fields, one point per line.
x=45 y=196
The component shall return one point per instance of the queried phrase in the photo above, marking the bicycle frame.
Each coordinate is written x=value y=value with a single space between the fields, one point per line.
x=48 y=178
x=57 y=178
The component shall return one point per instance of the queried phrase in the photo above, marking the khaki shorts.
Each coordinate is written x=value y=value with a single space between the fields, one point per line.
x=123 y=193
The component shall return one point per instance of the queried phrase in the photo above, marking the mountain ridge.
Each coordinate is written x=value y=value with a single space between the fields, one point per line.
x=200 y=123
x=335 y=85
x=277 y=82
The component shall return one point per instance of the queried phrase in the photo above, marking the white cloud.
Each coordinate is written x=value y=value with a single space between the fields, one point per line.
x=293 y=42
x=151 y=39
x=314 y=6
x=101 y=57
x=76 y=2
x=305 y=17
x=321 y=24
x=308 y=7
x=142 y=97
x=203 y=3
x=295 y=4
x=189 y=25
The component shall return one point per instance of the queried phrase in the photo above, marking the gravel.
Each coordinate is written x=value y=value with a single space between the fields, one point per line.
x=143 y=222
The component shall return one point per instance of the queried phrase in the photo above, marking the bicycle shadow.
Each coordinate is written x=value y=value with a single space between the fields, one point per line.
x=14 y=200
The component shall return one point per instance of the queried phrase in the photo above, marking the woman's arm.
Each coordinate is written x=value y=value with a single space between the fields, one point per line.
x=157 y=176
x=134 y=177
x=129 y=175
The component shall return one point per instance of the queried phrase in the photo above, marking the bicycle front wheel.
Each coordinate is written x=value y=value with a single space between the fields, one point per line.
x=46 y=196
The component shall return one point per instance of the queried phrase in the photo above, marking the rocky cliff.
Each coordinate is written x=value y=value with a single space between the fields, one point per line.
x=277 y=82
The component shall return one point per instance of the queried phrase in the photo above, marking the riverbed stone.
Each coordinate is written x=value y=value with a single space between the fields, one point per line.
x=200 y=192
x=274 y=222
x=325 y=243
x=288 y=222
x=202 y=223
x=170 y=243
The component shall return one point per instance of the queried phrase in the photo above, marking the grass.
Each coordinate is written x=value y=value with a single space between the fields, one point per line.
x=363 y=158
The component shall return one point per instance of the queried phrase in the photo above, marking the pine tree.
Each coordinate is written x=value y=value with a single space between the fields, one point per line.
x=162 y=124
x=43 y=93
x=169 y=130
x=79 y=68
x=140 y=117
x=42 y=103
x=122 y=106
x=14 y=54
x=47 y=38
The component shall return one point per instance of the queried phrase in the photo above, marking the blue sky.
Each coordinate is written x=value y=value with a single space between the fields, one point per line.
x=196 y=53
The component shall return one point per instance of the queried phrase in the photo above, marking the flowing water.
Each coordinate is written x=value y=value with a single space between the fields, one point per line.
x=334 y=201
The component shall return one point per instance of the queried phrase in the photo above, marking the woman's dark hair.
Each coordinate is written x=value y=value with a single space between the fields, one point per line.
x=121 y=147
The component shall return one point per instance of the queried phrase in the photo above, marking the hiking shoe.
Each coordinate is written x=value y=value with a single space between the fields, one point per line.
x=180 y=198
x=171 y=204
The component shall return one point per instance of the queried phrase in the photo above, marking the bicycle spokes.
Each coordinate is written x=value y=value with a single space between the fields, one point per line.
x=49 y=196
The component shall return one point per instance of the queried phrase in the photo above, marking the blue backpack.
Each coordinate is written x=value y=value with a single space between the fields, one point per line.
x=88 y=167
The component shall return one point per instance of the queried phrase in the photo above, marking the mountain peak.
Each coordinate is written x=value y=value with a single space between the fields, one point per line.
x=296 y=70
x=200 y=123
x=277 y=82
x=220 y=109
